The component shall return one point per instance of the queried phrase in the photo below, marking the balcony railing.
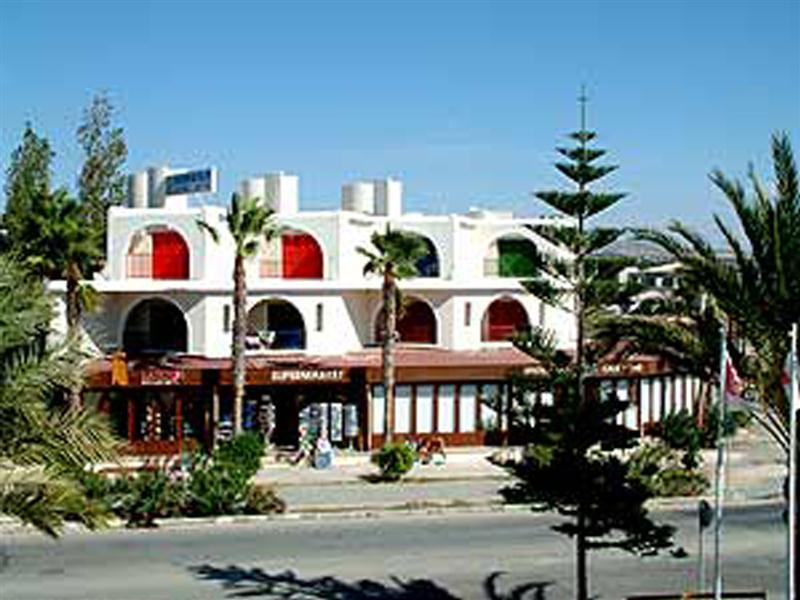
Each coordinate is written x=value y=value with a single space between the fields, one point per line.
x=501 y=333
x=491 y=267
x=276 y=339
x=271 y=268
x=507 y=266
x=140 y=266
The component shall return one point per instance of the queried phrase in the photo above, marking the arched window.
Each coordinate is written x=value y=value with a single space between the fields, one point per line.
x=428 y=264
x=158 y=253
x=301 y=255
x=275 y=325
x=511 y=256
x=416 y=323
x=503 y=318
x=155 y=326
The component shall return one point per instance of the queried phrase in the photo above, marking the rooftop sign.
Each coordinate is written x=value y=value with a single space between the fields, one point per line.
x=199 y=181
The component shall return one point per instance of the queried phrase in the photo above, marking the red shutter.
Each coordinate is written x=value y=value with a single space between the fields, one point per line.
x=417 y=325
x=505 y=318
x=302 y=258
x=170 y=256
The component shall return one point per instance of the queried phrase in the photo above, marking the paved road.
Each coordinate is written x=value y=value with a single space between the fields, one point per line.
x=419 y=557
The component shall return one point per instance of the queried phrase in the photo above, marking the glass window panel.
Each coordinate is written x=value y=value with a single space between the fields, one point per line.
x=447 y=405
x=378 y=408
x=402 y=409
x=424 y=409
x=656 y=392
x=336 y=422
x=644 y=400
x=466 y=408
x=489 y=404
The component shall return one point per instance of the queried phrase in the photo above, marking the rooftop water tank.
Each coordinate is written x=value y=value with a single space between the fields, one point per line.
x=359 y=196
x=388 y=197
x=137 y=190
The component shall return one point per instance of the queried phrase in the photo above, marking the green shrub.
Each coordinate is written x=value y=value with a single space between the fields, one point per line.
x=395 y=460
x=262 y=500
x=215 y=484
x=216 y=488
x=140 y=500
x=680 y=432
x=244 y=452
x=662 y=470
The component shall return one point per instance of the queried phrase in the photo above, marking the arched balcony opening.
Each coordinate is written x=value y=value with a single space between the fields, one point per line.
x=294 y=255
x=275 y=325
x=416 y=323
x=155 y=326
x=428 y=264
x=158 y=252
x=511 y=256
x=504 y=318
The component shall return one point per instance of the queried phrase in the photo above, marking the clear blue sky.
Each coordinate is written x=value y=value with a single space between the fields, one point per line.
x=464 y=101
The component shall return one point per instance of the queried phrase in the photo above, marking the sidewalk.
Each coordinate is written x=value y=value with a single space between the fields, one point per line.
x=466 y=479
x=754 y=473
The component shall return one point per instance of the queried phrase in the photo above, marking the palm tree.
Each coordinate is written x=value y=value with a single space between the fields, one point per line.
x=43 y=449
x=758 y=287
x=65 y=245
x=248 y=222
x=393 y=257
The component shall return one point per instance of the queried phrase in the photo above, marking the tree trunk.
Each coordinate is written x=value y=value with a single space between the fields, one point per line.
x=238 y=343
x=73 y=325
x=389 y=334
x=580 y=308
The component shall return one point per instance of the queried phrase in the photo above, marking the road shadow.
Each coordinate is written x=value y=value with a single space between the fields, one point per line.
x=288 y=585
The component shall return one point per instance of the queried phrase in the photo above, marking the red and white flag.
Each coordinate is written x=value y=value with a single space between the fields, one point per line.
x=734 y=386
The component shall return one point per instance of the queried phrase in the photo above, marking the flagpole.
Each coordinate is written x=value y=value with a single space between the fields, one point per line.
x=718 y=480
x=793 y=399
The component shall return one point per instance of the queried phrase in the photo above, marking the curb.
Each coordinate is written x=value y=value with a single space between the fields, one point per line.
x=374 y=511
x=309 y=513
x=406 y=480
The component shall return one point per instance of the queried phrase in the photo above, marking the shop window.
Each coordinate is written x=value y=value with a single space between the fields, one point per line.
x=466 y=408
x=378 y=409
x=402 y=409
x=490 y=407
x=447 y=408
x=155 y=418
x=424 y=405
x=503 y=319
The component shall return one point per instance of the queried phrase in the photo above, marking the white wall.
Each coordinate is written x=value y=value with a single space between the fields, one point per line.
x=350 y=301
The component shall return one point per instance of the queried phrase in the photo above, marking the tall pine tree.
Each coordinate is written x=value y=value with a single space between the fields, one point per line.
x=572 y=464
x=101 y=183
x=27 y=183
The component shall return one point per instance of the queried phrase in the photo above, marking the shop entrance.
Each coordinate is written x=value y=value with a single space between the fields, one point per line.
x=291 y=415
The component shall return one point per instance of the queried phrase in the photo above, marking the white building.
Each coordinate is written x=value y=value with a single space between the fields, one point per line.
x=313 y=317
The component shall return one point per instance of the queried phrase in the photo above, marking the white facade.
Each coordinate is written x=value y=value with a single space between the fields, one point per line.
x=339 y=305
